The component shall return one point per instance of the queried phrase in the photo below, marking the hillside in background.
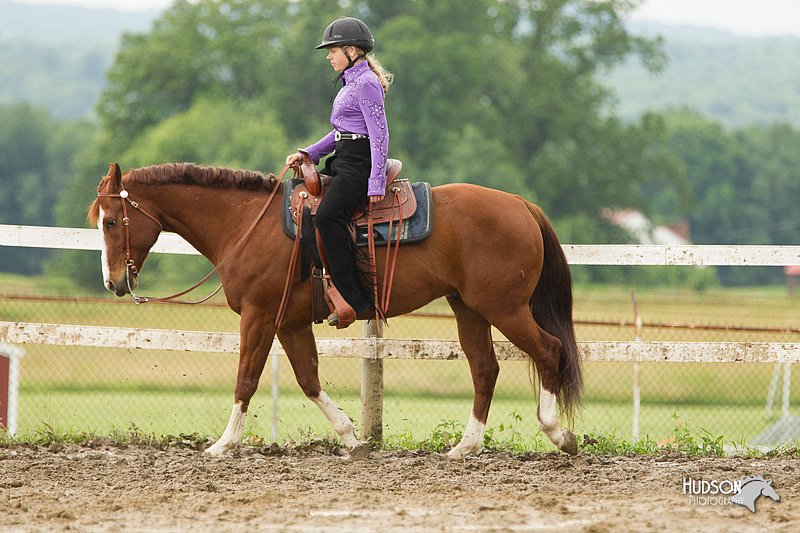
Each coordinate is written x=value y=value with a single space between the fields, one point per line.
x=733 y=79
x=56 y=57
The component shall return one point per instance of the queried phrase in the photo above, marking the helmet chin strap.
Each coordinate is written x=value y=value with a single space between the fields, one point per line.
x=350 y=62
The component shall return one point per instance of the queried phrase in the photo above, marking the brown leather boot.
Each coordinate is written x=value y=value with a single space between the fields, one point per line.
x=344 y=315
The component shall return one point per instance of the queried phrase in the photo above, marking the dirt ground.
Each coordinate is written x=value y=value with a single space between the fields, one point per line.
x=144 y=488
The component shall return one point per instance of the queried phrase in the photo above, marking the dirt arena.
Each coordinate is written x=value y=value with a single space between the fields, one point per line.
x=145 y=488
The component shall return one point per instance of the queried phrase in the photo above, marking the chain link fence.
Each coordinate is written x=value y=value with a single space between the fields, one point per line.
x=79 y=389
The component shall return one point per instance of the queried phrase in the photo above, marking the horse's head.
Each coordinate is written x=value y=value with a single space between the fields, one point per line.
x=127 y=231
x=769 y=491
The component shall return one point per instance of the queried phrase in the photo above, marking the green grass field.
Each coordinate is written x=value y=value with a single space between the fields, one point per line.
x=100 y=390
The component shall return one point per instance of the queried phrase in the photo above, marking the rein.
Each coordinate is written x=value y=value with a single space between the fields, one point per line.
x=130 y=266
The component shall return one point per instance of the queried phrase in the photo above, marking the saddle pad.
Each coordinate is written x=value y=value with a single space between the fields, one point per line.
x=415 y=228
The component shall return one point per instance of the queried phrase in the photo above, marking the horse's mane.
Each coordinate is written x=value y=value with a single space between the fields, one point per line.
x=749 y=479
x=191 y=174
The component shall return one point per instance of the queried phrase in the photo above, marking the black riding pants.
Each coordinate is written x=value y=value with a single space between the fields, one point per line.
x=350 y=168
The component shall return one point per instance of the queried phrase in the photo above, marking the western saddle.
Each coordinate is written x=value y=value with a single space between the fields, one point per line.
x=399 y=203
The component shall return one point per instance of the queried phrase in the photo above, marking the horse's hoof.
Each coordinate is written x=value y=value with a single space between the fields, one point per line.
x=218 y=450
x=570 y=445
x=360 y=451
x=456 y=454
x=214 y=452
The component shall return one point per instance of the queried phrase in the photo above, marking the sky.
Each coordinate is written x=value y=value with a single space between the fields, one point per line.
x=743 y=17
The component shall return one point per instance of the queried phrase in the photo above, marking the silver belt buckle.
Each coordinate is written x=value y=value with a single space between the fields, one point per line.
x=337 y=136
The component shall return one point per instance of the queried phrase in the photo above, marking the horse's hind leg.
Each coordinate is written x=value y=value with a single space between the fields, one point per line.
x=475 y=335
x=545 y=351
x=302 y=353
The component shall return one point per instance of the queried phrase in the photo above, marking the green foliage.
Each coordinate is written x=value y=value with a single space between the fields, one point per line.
x=441 y=440
x=742 y=186
x=35 y=166
x=219 y=132
x=682 y=441
x=208 y=49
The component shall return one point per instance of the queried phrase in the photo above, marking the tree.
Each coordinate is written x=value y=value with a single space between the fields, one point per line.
x=211 y=48
x=743 y=186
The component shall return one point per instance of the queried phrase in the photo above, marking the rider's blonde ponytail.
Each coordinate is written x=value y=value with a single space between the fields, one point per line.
x=384 y=75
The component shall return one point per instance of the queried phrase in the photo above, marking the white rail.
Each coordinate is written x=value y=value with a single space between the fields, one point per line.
x=577 y=254
x=220 y=342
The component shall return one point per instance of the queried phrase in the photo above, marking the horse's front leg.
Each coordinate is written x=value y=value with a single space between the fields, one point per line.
x=257 y=332
x=298 y=342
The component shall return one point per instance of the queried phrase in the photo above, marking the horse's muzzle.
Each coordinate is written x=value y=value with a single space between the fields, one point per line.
x=120 y=289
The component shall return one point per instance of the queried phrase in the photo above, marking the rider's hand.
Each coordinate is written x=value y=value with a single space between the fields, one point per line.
x=294 y=159
x=375 y=199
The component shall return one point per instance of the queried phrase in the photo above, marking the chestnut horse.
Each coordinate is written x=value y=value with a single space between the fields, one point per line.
x=492 y=255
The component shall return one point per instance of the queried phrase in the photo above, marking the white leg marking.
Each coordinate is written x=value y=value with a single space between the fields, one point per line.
x=548 y=417
x=338 y=419
x=103 y=252
x=232 y=435
x=472 y=441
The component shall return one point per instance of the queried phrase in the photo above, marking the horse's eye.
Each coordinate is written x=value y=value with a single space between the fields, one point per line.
x=110 y=223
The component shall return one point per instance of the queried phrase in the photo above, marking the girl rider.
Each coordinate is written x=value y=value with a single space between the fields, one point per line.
x=360 y=138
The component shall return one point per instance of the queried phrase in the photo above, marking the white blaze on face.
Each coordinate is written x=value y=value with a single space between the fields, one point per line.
x=103 y=248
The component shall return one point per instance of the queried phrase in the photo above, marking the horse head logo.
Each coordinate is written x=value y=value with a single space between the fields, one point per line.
x=751 y=488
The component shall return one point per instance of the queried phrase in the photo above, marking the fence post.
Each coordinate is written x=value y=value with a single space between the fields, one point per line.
x=637 y=394
x=9 y=386
x=787 y=378
x=372 y=387
x=276 y=375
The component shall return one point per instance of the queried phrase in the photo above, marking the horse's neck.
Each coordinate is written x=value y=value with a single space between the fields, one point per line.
x=202 y=216
x=754 y=487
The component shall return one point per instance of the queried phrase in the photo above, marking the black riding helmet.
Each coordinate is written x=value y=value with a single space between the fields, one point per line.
x=346 y=31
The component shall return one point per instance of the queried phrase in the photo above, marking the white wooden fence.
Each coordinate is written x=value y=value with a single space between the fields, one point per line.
x=373 y=350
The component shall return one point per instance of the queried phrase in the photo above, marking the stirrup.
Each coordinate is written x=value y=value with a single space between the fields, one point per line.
x=333 y=320
x=343 y=314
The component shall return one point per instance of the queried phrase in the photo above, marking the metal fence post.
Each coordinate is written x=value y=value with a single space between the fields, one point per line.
x=637 y=393
x=276 y=375
x=372 y=387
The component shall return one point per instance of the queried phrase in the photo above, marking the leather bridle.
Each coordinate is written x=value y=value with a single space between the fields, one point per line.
x=124 y=199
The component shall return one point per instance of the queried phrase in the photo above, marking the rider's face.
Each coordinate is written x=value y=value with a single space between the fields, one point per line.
x=336 y=55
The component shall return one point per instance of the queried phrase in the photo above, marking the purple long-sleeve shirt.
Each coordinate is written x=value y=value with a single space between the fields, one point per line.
x=358 y=108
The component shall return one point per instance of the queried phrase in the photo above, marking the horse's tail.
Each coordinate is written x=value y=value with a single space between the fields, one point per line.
x=551 y=305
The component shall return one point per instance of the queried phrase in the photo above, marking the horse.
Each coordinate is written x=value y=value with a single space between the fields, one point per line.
x=494 y=256
x=752 y=487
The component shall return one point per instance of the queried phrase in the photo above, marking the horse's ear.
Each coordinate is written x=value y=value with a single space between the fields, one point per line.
x=115 y=174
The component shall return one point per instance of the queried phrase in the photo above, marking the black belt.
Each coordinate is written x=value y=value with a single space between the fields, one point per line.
x=339 y=136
